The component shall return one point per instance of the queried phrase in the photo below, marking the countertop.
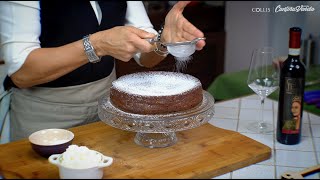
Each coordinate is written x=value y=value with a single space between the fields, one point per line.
x=201 y=152
x=232 y=115
x=235 y=114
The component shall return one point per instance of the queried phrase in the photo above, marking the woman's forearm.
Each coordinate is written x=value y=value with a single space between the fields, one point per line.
x=47 y=64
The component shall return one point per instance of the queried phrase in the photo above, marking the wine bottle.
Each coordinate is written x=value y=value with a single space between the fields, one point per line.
x=290 y=105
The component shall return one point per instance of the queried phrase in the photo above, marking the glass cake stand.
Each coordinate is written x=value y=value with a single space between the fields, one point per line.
x=155 y=131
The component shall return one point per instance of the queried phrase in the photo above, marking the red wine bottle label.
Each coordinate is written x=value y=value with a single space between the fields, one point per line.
x=292 y=105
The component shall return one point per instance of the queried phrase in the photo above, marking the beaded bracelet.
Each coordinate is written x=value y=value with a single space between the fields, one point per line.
x=159 y=36
x=160 y=32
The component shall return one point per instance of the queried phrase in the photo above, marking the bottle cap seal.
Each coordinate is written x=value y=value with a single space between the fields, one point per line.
x=295 y=36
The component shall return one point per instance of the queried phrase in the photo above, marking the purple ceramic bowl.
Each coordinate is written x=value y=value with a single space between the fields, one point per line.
x=51 y=141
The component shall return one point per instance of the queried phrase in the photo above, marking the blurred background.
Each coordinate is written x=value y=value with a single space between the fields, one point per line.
x=246 y=29
x=251 y=24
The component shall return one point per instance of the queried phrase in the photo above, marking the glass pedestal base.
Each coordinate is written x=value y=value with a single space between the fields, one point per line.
x=260 y=127
x=155 y=140
x=156 y=131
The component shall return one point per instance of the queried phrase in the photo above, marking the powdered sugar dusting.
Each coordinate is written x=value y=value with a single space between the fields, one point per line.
x=156 y=83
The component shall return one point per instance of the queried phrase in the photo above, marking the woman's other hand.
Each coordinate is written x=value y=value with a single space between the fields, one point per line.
x=122 y=42
x=177 y=28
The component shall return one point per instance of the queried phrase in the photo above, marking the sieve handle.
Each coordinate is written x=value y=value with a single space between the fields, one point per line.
x=184 y=43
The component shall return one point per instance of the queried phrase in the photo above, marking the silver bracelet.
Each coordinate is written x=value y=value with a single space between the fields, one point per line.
x=89 y=50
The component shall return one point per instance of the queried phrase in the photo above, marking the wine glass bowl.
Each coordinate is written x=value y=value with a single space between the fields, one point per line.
x=263 y=79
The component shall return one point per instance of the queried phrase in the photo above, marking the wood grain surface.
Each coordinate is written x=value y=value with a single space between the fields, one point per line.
x=202 y=152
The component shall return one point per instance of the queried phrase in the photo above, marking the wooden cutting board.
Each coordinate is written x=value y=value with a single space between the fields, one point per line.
x=202 y=152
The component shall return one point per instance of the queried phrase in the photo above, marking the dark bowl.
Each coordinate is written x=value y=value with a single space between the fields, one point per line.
x=51 y=141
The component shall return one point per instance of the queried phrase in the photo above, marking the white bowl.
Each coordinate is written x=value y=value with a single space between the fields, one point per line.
x=92 y=172
x=50 y=141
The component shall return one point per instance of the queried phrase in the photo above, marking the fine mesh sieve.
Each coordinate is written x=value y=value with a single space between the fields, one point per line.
x=180 y=49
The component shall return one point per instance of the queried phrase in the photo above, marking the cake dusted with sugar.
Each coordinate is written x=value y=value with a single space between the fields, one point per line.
x=156 y=92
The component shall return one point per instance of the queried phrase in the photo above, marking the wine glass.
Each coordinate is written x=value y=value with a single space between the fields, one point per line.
x=263 y=79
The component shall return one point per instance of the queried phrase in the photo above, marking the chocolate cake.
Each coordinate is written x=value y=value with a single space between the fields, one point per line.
x=156 y=92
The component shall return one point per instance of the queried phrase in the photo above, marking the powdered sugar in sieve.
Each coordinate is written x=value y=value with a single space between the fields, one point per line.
x=182 y=50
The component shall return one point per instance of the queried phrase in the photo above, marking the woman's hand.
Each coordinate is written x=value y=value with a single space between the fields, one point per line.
x=121 y=42
x=177 y=28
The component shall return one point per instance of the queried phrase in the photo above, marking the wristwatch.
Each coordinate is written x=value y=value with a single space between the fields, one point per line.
x=89 y=50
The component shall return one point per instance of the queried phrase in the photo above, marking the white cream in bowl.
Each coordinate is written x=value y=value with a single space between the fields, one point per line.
x=80 y=163
x=80 y=157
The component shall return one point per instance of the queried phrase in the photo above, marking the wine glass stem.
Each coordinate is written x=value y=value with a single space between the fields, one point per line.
x=261 y=124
